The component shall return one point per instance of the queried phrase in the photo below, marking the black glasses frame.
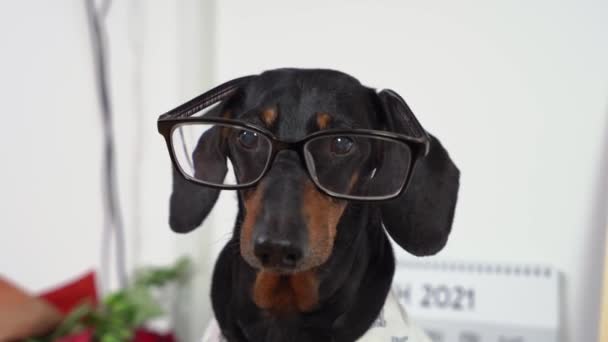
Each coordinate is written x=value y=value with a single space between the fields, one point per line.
x=179 y=116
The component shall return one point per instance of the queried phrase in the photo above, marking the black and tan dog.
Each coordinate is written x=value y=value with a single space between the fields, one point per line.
x=301 y=265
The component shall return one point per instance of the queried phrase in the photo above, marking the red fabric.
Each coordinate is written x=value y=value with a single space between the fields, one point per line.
x=70 y=295
x=140 y=336
x=148 y=336
x=85 y=336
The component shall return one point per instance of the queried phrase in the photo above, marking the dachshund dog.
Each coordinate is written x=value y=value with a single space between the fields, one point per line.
x=304 y=264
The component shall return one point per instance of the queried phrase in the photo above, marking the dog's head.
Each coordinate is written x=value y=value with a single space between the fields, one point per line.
x=288 y=225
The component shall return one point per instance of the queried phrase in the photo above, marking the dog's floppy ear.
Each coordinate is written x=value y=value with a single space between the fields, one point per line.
x=191 y=203
x=420 y=219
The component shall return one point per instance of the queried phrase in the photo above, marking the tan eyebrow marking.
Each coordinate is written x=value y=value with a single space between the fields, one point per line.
x=269 y=116
x=323 y=120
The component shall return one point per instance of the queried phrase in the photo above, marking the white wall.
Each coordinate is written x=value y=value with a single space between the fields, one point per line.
x=50 y=144
x=516 y=90
x=51 y=208
x=50 y=180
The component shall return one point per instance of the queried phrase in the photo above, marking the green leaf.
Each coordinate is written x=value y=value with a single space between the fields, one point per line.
x=159 y=276
x=145 y=305
x=72 y=323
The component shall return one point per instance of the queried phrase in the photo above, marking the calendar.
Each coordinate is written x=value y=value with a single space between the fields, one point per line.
x=477 y=302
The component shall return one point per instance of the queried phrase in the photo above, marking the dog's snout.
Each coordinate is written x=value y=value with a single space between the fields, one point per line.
x=277 y=253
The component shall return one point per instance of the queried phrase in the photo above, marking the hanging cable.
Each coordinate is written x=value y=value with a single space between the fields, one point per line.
x=113 y=222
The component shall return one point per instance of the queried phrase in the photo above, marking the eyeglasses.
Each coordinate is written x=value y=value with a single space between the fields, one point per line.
x=353 y=164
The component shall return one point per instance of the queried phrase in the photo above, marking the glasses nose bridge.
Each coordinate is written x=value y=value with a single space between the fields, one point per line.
x=280 y=145
x=283 y=146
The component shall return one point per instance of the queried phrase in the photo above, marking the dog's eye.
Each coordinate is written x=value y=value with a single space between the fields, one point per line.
x=248 y=139
x=341 y=145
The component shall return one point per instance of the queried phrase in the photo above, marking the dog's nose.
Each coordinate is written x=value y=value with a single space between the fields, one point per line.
x=276 y=253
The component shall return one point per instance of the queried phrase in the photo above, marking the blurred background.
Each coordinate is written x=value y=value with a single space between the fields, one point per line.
x=516 y=90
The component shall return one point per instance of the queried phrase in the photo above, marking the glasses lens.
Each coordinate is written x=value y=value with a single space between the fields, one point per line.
x=220 y=154
x=361 y=166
